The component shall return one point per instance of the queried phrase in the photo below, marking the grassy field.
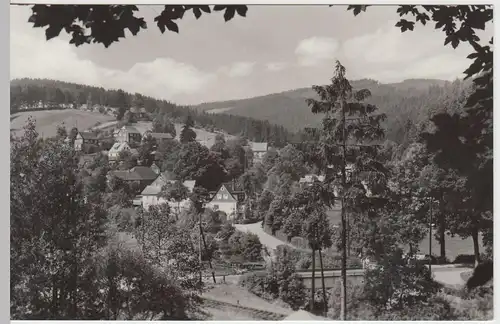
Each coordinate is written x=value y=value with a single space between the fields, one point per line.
x=48 y=120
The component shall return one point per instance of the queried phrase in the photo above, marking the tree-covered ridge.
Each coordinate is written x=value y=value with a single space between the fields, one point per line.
x=411 y=101
x=29 y=93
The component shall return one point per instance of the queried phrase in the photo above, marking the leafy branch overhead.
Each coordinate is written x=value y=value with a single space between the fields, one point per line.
x=107 y=24
x=459 y=23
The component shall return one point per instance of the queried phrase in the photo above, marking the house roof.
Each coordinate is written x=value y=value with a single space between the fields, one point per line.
x=85 y=158
x=138 y=173
x=232 y=195
x=89 y=135
x=118 y=147
x=259 y=147
x=131 y=129
x=155 y=188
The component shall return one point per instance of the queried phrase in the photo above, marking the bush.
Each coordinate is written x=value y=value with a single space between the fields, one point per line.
x=135 y=290
x=292 y=291
x=354 y=298
x=475 y=304
x=465 y=259
x=435 y=309
x=260 y=284
x=440 y=260
x=304 y=263
x=245 y=246
x=279 y=281
x=396 y=284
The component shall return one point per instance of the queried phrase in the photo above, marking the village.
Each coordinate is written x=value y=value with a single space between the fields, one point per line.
x=292 y=171
x=150 y=178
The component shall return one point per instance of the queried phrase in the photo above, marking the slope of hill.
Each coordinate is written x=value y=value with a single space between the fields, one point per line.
x=413 y=100
x=48 y=120
x=35 y=93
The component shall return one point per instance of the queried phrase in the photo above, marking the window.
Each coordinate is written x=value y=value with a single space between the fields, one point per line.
x=224 y=196
x=219 y=196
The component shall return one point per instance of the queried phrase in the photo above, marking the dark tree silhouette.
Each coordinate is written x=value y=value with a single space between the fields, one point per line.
x=106 y=24
x=481 y=275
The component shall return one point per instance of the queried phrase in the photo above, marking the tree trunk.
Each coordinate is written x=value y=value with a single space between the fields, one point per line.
x=325 y=303
x=348 y=235
x=311 y=305
x=343 y=292
x=54 y=305
x=209 y=257
x=442 y=238
x=475 y=239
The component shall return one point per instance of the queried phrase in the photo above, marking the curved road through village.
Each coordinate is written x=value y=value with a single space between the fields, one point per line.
x=445 y=274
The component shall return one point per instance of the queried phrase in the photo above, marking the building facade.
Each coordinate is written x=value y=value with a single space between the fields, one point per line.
x=259 y=150
x=128 y=134
x=228 y=201
x=151 y=194
x=85 y=138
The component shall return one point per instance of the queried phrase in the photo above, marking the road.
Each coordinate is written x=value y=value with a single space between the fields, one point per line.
x=267 y=240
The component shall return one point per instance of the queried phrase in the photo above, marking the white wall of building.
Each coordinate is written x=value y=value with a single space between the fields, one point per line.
x=227 y=207
x=150 y=200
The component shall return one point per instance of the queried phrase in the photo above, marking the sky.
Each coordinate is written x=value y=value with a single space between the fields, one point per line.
x=273 y=49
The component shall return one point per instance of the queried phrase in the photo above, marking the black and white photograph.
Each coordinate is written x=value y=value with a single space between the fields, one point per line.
x=251 y=162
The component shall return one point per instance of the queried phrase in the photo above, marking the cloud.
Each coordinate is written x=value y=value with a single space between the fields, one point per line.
x=32 y=56
x=238 y=69
x=388 y=55
x=314 y=50
x=276 y=66
x=444 y=67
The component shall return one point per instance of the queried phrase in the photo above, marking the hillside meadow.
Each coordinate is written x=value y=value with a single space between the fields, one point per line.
x=48 y=120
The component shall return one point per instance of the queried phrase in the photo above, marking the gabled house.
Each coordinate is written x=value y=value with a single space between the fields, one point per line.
x=85 y=138
x=116 y=149
x=139 y=113
x=151 y=194
x=228 y=200
x=258 y=150
x=141 y=175
x=128 y=134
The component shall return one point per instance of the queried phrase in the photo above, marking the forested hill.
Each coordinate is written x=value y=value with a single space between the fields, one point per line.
x=407 y=104
x=46 y=94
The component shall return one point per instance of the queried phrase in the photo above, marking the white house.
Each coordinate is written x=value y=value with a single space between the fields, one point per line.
x=258 y=150
x=116 y=149
x=228 y=201
x=151 y=194
x=83 y=138
x=128 y=134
